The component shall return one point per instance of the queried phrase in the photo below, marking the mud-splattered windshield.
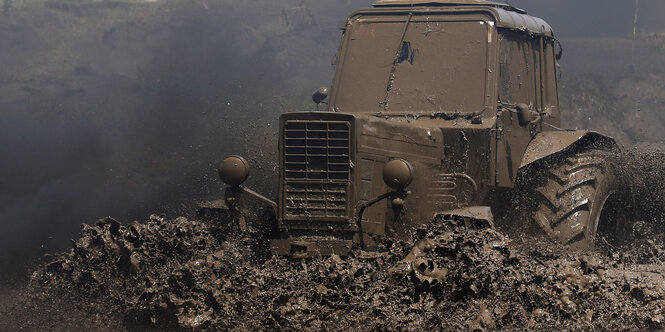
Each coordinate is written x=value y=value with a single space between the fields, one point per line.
x=423 y=66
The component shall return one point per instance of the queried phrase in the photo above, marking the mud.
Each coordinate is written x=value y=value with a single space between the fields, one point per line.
x=205 y=275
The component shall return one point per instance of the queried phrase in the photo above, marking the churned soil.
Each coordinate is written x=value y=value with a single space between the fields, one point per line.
x=189 y=274
x=182 y=274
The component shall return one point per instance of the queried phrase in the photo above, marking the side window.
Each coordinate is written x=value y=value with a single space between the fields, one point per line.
x=516 y=69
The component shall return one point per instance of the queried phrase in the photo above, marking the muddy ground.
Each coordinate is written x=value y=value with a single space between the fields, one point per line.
x=202 y=274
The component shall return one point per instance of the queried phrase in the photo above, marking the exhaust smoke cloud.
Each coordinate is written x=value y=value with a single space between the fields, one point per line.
x=125 y=111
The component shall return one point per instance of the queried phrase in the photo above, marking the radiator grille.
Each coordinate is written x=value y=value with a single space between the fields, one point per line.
x=316 y=168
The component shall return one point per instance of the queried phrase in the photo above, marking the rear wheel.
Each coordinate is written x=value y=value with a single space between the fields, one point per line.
x=571 y=195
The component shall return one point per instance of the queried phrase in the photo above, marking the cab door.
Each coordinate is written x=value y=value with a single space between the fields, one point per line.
x=519 y=83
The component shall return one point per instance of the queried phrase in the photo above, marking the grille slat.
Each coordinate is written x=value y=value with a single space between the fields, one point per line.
x=316 y=168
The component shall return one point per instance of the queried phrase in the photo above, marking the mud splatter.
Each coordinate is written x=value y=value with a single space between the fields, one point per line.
x=181 y=274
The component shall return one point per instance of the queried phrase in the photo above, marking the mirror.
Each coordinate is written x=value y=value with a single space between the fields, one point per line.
x=524 y=114
x=320 y=95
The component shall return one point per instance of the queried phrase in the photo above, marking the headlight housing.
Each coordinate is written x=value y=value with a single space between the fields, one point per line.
x=398 y=174
x=233 y=170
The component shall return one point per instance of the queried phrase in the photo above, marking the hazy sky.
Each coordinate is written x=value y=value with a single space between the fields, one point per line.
x=578 y=18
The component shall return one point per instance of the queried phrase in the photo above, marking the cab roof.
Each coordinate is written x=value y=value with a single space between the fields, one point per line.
x=381 y=3
x=506 y=15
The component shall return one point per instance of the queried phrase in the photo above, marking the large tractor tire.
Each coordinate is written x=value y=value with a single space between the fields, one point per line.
x=571 y=196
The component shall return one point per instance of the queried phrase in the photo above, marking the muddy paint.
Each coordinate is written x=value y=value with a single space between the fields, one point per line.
x=437 y=84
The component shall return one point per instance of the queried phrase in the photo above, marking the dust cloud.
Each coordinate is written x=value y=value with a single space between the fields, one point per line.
x=125 y=111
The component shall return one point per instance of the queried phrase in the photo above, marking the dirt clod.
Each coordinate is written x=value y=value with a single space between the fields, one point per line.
x=188 y=274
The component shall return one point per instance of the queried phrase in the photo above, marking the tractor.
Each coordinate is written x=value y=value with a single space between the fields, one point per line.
x=436 y=107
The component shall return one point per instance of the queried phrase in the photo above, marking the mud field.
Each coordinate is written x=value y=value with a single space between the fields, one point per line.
x=135 y=105
x=205 y=275
x=201 y=274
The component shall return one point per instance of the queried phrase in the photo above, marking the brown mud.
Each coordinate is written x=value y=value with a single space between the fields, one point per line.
x=195 y=274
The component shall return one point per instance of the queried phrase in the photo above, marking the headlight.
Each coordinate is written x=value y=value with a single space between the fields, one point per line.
x=234 y=170
x=398 y=174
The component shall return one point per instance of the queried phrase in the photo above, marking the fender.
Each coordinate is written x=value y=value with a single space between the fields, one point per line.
x=549 y=143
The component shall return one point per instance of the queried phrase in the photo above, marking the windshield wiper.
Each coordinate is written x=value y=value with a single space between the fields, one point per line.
x=391 y=78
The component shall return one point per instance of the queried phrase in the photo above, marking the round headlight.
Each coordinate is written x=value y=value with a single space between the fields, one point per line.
x=234 y=170
x=398 y=174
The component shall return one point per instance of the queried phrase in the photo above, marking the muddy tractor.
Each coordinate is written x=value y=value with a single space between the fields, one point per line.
x=436 y=108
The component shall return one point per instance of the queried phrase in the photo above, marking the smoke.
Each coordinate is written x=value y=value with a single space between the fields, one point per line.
x=596 y=18
x=126 y=111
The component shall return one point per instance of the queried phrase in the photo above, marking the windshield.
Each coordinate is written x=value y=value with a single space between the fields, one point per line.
x=416 y=65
